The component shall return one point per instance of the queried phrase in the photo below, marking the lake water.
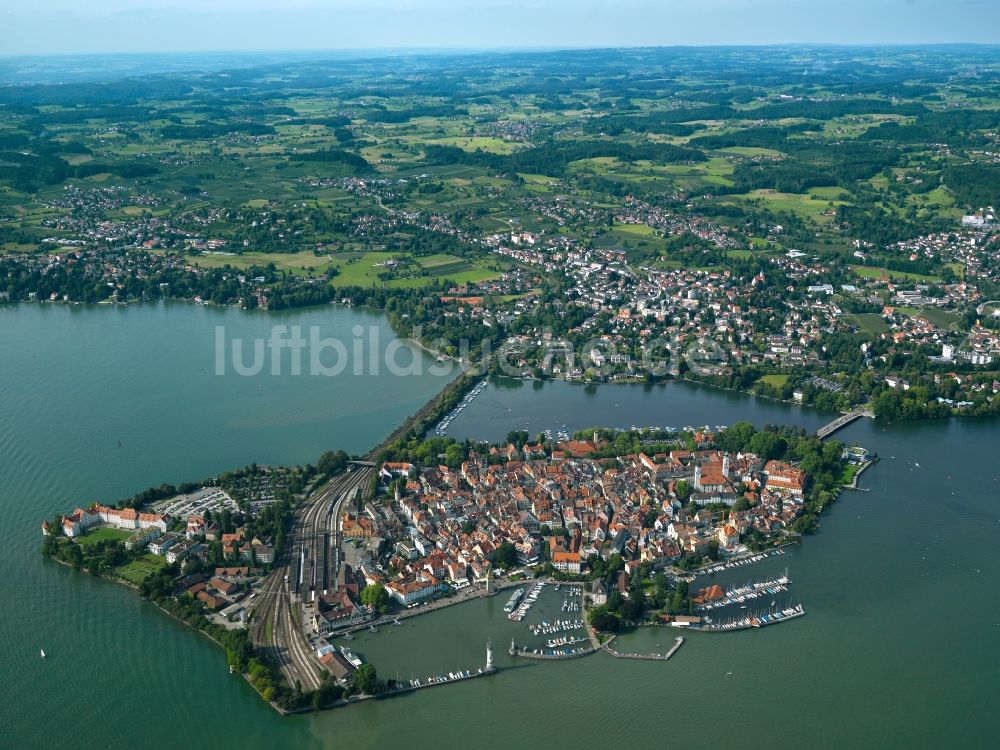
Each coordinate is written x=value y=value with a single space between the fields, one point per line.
x=97 y=403
x=900 y=646
x=533 y=405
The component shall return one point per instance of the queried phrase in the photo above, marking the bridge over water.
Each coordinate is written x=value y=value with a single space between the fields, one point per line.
x=842 y=421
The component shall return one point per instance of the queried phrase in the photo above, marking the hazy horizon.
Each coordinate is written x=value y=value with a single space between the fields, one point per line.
x=65 y=27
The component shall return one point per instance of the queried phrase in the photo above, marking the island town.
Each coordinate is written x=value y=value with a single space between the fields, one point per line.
x=619 y=528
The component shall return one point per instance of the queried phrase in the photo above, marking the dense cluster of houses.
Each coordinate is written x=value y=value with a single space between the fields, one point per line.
x=779 y=318
x=224 y=590
x=448 y=524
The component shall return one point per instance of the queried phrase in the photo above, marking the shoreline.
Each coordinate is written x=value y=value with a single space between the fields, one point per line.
x=171 y=615
x=466 y=367
x=861 y=470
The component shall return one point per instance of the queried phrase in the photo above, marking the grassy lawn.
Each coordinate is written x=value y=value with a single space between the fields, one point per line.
x=715 y=171
x=750 y=151
x=472 y=275
x=634 y=231
x=777 y=381
x=957 y=268
x=937 y=318
x=743 y=254
x=141 y=567
x=102 y=533
x=361 y=270
x=812 y=205
x=474 y=143
x=874 y=272
x=846 y=476
x=294 y=262
x=441 y=262
x=871 y=323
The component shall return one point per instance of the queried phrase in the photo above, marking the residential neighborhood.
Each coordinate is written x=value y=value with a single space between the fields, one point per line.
x=446 y=527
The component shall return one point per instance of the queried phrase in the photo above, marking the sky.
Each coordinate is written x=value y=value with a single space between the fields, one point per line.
x=108 y=26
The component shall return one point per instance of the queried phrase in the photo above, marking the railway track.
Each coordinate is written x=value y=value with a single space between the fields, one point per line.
x=312 y=559
x=309 y=568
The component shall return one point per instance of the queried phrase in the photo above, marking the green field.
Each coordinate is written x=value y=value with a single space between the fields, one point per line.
x=101 y=534
x=141 y=567
x=634 y=231
x=874 y=272
x=847 y=474
x=715 y=171
x=300 y=263
x=817 y=204
x=749 y=151
x=441 y=262
x=363 y=269
x=936 y=317
x=480 y=143
x=744 y=254
x=776 y=381
x=871 y=323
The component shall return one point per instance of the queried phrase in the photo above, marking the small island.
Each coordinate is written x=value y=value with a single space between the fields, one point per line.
x=275 y=564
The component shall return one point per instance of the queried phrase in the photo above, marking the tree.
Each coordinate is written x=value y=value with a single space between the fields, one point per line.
x=737 y=437
x=506 y=556
x=74 y=556
x=650 y=519
x=678 y=603
x=331 y=463
x=683 y=490
x=633 y=607
x=603 y=620
x=454 y=456
x=376 y=597
x=768 y=445
x=365 y=680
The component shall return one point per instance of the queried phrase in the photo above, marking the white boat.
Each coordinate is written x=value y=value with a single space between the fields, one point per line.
x=43 y=653
x=514 y=600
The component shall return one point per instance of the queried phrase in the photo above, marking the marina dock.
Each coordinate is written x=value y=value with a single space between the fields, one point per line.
x=748 y=593
x=434 y=680
x=547 y=653
x=678 y=642
x=738 y=561
x=752 y=621
x=445 y=678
